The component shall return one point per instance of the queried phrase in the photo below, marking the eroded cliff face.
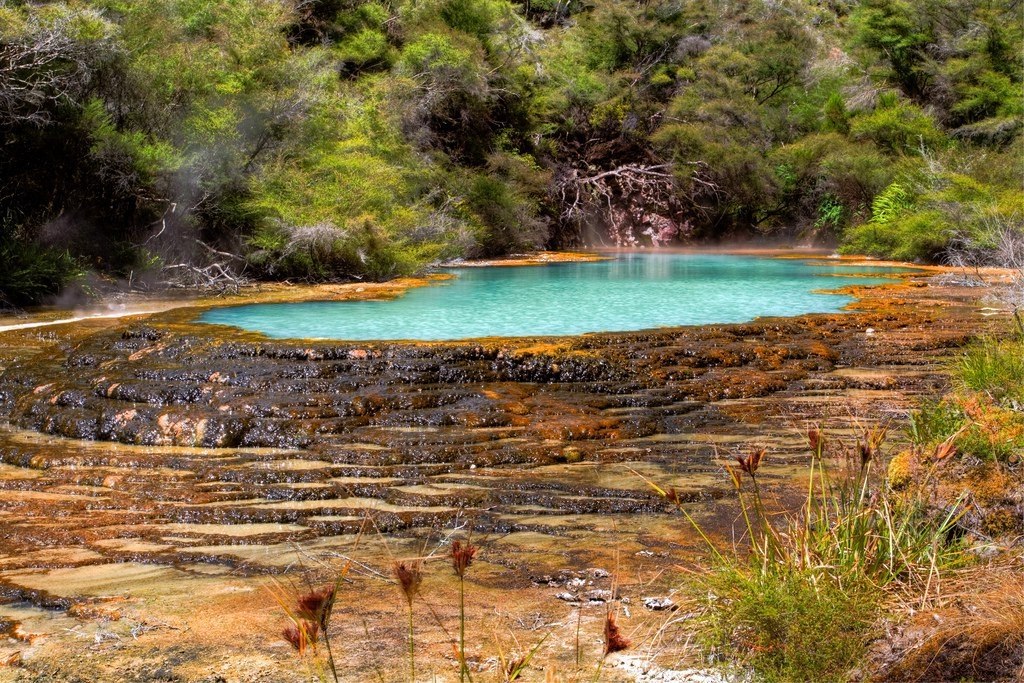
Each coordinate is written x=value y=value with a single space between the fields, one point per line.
x=167 y=459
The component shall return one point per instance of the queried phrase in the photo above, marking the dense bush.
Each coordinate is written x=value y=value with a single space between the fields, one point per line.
x=350 y=138
x=30 y=273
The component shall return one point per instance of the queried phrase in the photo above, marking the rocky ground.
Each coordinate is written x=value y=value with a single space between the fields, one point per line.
x=160 y=480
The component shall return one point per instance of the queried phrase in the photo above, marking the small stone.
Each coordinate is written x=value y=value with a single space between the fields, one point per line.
x=659 y=604
x=567 y=596
x=599 y=573
x=598 y=595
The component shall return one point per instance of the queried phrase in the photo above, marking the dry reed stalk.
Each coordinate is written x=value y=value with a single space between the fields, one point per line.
x=462 y=555
x=409 y=574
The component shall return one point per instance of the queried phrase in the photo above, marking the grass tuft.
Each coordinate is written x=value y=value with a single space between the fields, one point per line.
x=799 y=604
x=994 y=367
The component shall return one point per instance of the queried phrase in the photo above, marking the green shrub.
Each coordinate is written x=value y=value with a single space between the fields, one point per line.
x=935 y=421
x=982 y=418
x=891 y=28
x=830 y=213
x=890 y=204
x=476 y=17
x=368 y=47
x=29 y=273
x=509 y=219
x=920 y=236
x=836 y=118
x=897 y=127
x=326 y=252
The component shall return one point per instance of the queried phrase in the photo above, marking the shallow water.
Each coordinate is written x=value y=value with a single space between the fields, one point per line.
x=632 y=292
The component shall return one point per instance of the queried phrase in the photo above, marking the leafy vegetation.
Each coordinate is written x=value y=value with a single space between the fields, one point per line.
x=330 y=139
x=30 y=272
x=801 y=602
x=982 y=417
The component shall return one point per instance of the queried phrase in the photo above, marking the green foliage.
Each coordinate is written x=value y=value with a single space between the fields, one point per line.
x=435 y=52
x=350 y=200
x=897 y=127
x=796 y=626
x=829 y=178
x=802 y=604
x=920 y=237
x=981 y=418
x=364 y=49
x=994 y=367
x=935 y=421
x=891 y=28
x=30 y=273
x=929 y=206
x=836 y=118
x=501 y=201
x=130 y=150
x=830 y=213
x=235 y=123
x=619 y=34
x=476 y=17
x=889 y=204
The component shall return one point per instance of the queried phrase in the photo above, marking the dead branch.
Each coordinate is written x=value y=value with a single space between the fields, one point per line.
x=39 y=68
x=215 y=277
x=215 y=252
x=632 y=200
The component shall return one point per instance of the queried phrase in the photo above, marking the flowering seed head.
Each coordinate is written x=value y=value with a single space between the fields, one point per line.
x=750 y=463
x=816 y=439
x=410 y=576
x=301 y=635
x=462 y=557
x=316 y=606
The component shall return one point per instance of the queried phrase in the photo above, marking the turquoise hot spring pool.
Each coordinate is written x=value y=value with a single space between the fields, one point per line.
x=629 y=292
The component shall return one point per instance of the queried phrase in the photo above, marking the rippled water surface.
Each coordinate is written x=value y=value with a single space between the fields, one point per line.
x=632 y=292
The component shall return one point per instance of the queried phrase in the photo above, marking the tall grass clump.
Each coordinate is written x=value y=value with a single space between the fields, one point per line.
x=798 y=600
x=30 y=273
x=994 y=367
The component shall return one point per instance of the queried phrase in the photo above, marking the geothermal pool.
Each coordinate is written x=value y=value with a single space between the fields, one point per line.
x=630 y=292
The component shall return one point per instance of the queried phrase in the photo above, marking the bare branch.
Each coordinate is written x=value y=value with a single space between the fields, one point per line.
x=39 y=68
x=633 y=201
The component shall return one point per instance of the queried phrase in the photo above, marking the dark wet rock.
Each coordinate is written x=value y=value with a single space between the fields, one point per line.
x=295 y=395
x=145 y=332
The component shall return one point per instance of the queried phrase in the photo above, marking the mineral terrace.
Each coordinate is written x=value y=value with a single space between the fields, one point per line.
x=161 y=480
